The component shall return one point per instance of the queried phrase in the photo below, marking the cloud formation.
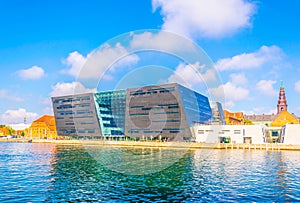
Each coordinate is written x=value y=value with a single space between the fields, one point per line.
x=192 y=75
x=239 y=78
x=232 y=93
x=161 y=41
x=75 y=61
x=266 y=87
x=33 y=73
x=63 y=89
x=257 y=59
x=17 y=116
x=202 y=18
x=98 y=63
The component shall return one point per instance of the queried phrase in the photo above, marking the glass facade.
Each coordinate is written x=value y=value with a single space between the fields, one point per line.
x=152 y=112
x=218 y=113
x=166 y=111
x=196 y=106
x=111 y=108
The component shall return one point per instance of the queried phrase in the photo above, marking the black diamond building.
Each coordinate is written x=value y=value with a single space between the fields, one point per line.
x=159 y=112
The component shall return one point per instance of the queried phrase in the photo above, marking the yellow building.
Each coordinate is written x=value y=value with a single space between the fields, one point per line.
x=43 y=128
x=234 y=118
x=4 y=131
x=284 y=117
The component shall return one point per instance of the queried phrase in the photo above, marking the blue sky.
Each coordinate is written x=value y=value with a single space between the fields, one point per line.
x=43 y=45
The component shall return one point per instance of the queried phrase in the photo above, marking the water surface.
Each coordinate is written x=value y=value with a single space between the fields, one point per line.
x=70 y=173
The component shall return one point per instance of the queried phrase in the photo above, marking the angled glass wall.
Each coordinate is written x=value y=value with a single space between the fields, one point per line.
x=196 y=106
x=111 y=108
x=166 y=111
x=218 y=113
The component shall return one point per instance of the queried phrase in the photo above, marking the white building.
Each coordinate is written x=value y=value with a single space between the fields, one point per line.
x=290 y=134
x=254 y=134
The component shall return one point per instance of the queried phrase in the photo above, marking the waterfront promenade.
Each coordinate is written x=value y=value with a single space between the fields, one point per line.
x=190 y=145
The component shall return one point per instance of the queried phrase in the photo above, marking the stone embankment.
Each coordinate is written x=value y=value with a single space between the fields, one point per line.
x=266 y=146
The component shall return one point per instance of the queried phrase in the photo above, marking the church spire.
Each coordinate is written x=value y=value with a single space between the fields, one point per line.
x=282 y=103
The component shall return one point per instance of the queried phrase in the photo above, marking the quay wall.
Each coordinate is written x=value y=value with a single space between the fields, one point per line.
x=190 y=145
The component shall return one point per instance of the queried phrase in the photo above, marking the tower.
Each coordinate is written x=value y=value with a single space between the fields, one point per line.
x=282 y=103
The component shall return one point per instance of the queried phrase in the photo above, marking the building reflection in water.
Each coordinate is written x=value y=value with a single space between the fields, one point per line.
x=78 y=175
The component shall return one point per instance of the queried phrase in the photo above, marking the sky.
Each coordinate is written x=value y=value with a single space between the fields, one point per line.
x=45 y=47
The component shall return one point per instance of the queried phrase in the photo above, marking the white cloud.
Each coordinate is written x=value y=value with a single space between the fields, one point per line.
x=265 y=54
x=75 y=61
x=161 y=41
x=266 y=87
x=232 y=93
x=192 y=75
x=228 y=104
x=202 y=18
x=33 y=73
x=17 y=116
x=238 y=78
x=297 y=86
x=4 y=94
x=98 y=63
x=63 y=89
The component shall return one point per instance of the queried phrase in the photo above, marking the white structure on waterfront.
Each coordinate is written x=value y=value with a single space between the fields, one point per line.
x=254 y=134
x=290 y=134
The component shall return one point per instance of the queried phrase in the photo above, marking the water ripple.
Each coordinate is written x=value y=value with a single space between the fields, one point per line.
x=68 y=173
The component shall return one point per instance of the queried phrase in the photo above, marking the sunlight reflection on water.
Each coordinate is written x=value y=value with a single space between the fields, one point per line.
x=57 y=173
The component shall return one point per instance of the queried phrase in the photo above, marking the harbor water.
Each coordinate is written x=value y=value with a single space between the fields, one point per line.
x=31 y=172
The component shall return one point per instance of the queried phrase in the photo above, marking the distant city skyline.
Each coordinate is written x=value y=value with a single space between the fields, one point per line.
x=254 y=45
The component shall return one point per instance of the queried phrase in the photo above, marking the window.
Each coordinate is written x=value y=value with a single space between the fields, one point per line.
x=84 y=112
x=91 y=131
x=175 y=112
x=70 y=123
x=87 y=98
x=136 y=107
x=139 y=114
x=200 y=131
x=168 y=121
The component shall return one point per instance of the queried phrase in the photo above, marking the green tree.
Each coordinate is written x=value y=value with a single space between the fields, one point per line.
x=10 y=130
x=248 y=122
